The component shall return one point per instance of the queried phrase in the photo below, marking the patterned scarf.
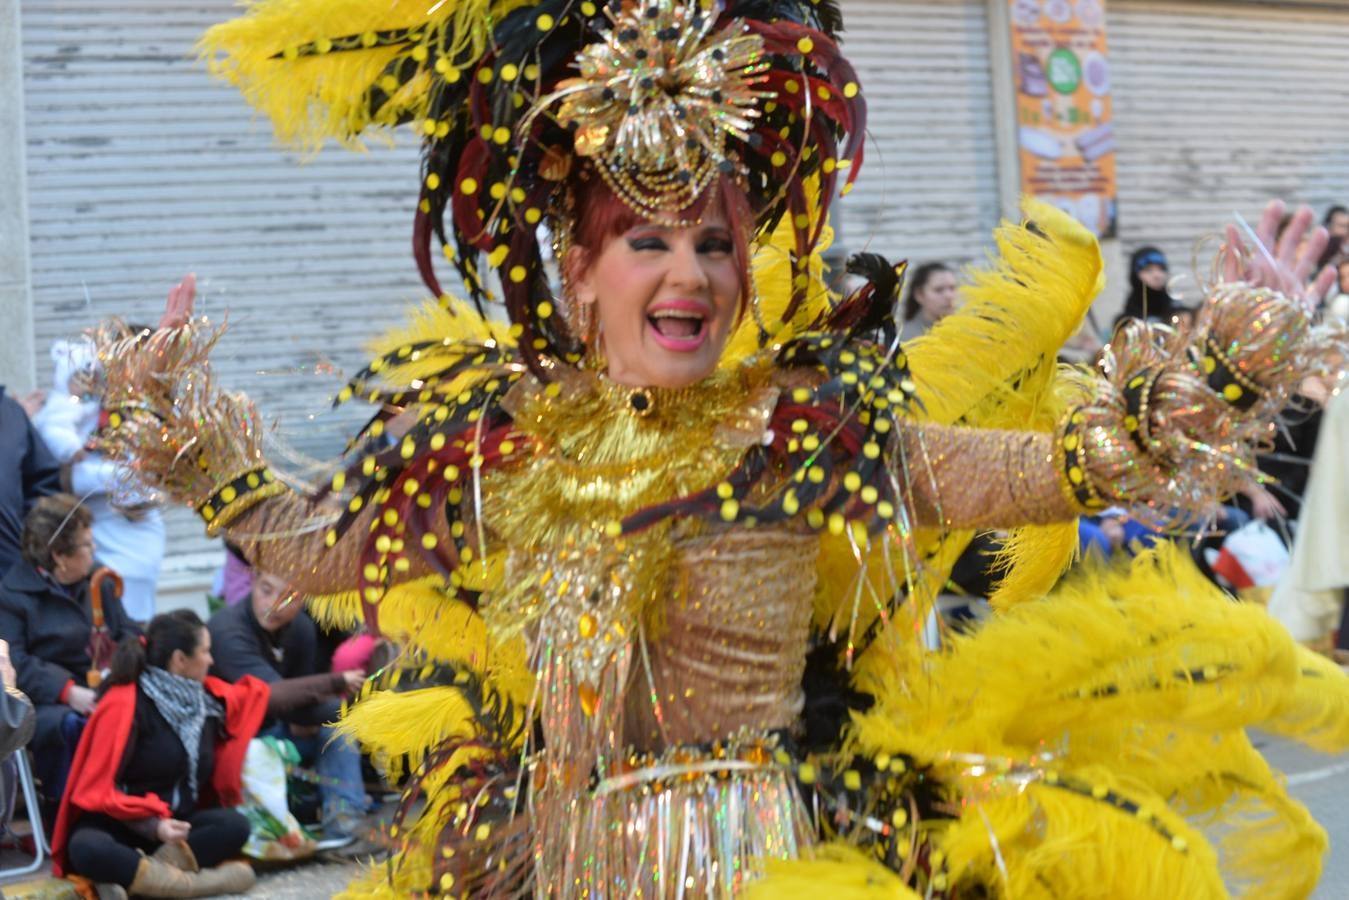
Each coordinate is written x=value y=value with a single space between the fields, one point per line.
x=185 y=705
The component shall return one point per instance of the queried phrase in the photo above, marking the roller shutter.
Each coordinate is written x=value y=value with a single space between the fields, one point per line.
x=1220 y=106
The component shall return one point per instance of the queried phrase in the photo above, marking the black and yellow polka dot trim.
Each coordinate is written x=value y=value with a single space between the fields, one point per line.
x=1225 y=379
x=1075 y=481
x=238 y=495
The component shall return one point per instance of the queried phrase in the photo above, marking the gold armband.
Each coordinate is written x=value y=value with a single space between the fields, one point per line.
x=238 y=495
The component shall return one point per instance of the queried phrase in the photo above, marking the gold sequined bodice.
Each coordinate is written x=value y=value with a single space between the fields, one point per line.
x=733 y=646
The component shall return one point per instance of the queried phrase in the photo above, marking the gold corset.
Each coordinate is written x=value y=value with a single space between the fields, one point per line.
x=732 y=651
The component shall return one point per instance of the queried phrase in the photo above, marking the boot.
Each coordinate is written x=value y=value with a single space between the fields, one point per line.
x=155 y=878
x=159 y=879
x=227 y=878
x=179 y=855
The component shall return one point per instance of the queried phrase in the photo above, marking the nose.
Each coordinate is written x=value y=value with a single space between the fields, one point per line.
x=686 y=266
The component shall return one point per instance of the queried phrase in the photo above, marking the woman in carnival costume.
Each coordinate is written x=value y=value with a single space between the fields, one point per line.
x=659 y=547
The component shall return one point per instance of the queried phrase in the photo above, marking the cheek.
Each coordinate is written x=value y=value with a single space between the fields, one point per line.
x=724 y=275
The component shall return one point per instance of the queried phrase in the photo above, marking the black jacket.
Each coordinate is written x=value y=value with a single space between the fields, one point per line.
x=48 y=630
x=27 y=471
x=287 y=661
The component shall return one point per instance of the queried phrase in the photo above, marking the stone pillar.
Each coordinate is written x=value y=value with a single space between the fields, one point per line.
x=17 y=363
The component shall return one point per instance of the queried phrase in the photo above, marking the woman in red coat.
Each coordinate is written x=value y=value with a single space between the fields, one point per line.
x=146 y=807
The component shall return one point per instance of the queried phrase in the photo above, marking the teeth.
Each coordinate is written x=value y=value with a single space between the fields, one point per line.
x=676 y=314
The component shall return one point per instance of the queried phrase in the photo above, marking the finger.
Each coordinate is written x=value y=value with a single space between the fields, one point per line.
x=1309 y=254
x=1321 y=286
x=1268 y=229
x=1292 y=236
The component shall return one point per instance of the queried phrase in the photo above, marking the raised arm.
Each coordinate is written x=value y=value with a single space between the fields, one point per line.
x=203 y=447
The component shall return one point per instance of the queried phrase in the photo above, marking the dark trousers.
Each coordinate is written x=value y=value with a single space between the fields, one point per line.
x=53 y=747
x=105 y=851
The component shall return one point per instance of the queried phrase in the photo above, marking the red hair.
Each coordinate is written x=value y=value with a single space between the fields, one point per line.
x=602 y=216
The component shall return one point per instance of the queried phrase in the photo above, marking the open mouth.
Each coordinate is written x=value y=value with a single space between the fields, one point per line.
x=678 y=329
x=676 y=323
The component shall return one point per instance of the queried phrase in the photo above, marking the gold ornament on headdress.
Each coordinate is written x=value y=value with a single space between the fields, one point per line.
x=656 y=101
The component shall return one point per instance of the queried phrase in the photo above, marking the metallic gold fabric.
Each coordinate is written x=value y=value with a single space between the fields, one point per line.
x=977 y=478
x=734 y=645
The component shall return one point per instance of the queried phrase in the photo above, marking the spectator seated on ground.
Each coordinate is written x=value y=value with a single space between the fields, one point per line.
x=160 y=762
x=47 y=615
x=269 y=636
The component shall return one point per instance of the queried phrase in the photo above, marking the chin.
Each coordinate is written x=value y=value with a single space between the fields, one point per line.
x=679 y=372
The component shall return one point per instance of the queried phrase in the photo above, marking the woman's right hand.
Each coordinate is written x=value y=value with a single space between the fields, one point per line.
x=81 y=699
x=178 y=308
x=171 y=831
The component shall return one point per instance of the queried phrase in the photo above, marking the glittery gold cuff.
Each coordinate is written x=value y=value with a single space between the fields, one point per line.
x=1075 y=478
x=237 y=496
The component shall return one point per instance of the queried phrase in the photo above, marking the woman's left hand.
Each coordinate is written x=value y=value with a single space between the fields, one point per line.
x=178 y=307
x=1287 y=261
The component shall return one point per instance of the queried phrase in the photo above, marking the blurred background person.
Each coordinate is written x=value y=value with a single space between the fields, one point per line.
x=27 y=471
x=47 y=615
x=272 y=638
x=1148 y=299
x=931 y=297
x=1336 y=222
x=128 y=528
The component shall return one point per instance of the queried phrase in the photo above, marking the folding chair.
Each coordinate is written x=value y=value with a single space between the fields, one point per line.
x=41 y=851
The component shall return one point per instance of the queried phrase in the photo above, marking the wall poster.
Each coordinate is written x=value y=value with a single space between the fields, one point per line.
x=1064 y=127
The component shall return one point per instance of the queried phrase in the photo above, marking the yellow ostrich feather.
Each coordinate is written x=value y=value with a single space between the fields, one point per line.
x=1316 y=711
x=836 y=870
x=992 y=365
x=1139 y=680
x=1152 y=642
x=972 y=366
x=310 y=97
x=1041 y=841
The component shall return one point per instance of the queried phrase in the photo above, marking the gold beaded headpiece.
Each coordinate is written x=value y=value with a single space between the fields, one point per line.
x=661 y=97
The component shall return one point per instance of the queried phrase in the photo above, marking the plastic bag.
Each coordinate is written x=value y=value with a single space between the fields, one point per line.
x=274 y=833
x=1252 y=556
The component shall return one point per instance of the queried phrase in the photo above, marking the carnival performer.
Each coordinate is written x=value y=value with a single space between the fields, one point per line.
x=658 y=547
x=146 y=808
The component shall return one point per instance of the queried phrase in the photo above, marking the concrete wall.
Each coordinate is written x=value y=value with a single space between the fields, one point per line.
x=17 y=370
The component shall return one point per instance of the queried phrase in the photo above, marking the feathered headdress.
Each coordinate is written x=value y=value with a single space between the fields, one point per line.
x=515 y=99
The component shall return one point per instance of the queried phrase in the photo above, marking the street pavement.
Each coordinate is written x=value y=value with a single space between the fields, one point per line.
x=1321 y=782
